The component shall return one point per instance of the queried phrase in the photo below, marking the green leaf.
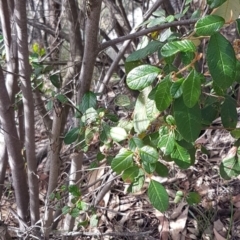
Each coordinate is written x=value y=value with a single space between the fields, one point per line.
x=134 y=143
x=89 y=116
x=131 y=65
x=122 y=161
x=151 y=139
x=193 y=198
x=62 y=98
x=89 y=101
x=174 y=47
x=142 y=76
x=221 y=61
x=176 y=89
x=127 y=124
x=71 y=136
x=55 y=81
x=122 y=100
x=140 y=118
x=90 y=133
x=74 y=190
x=152 y=47
x=158 y=196
x=149 y=167
x=209 y=25
x=75 y=212
x=191 y=89
x=188 y=120
x=181 y=157
x=229 y=114
x=209 y=114
x=148 y=154
x=163 y=97
x=94 y=220
x=215 y=3
x=138 y=182
x=65 y=210
x=230 y=167
x=156 y=21
x=118 y=134
x=236 y=133
x=170 y=120
x=151 y=109
x=105 y=133
x=130 y=174
x=238 y=25
x=166 y=143
x=161 y=169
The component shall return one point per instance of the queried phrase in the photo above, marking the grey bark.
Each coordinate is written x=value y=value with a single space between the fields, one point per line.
x=90 y=49
x=25 y=71
x=14 y=151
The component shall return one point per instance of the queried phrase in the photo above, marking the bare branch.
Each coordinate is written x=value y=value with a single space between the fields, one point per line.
x=145 y=32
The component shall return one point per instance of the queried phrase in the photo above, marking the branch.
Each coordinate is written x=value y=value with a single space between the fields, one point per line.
x=145 y=32
x=47 y=29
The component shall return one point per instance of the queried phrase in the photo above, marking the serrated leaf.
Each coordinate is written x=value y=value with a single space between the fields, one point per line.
x=152 y=47
x=166 y=143
x=229 y=10
x=118 y=134
x=163 y=97
x=130 y=174
x=229 y=114
x=71 y=136
x=158 y=196
x=191 y=89
x=161 y=169
x=148 y=154
x=74 y=190
x=176 y=88
x=122 y=161
x=209 y=25
x=142 y=76
x=89 y=101
x=188 y=120
x=181 y=157
x=174 y=47
x=221 y=61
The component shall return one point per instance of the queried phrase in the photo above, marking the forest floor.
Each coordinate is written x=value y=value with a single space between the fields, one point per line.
x=120 y=215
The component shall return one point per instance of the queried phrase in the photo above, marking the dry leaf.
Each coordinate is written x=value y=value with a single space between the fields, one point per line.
x=178 y=226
